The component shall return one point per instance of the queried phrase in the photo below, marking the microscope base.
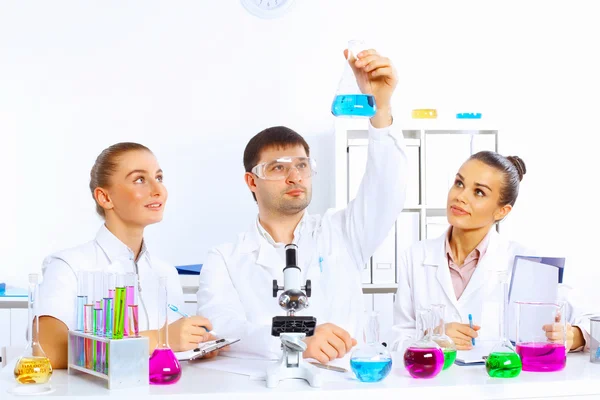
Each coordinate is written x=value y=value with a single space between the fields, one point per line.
x=281 y=371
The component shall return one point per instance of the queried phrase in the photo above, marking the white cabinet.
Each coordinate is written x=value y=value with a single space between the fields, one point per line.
x=13 y=328
x=435 y=152
x=383 y=262
x=407 y=227
x=358 y=155
x=4 y=327
x=383 y=303
x=18 y=326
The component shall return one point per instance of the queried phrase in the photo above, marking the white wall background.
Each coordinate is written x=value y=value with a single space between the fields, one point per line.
x=194 y=80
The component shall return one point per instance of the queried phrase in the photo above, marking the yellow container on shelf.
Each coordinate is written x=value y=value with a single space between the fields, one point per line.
x=422 y=113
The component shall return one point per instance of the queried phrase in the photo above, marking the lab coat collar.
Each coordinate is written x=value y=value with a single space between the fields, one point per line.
x=255 y=241
x=267 y=236
x=436 y=257
x=481 y=276
x=116 y=250
x=436 y=254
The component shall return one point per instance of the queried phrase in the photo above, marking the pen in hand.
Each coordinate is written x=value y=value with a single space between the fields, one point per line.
x=471 y=325
x=186 y=315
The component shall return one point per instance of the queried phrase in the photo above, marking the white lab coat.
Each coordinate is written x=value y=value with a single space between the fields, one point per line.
x=424 y=279
x=235 y=290
x=58 y=290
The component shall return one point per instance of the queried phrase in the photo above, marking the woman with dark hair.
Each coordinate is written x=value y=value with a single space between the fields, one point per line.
x=126 y=183
x=454 y=269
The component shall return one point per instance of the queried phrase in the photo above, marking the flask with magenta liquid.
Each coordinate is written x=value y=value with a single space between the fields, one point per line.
x=164 y=366
x=424 y=358
x=538 y=352
x=371 y=361
x=354 y=98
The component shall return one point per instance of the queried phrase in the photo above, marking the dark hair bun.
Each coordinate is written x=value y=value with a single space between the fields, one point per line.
x=519 y=165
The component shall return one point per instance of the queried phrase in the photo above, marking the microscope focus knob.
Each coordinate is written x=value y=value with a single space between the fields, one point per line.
x=308 y=287
x=275 y=288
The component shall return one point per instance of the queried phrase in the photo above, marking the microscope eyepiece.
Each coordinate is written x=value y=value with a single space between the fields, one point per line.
x=291 y=255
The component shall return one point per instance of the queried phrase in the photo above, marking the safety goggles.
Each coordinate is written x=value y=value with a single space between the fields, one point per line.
x=281 y=168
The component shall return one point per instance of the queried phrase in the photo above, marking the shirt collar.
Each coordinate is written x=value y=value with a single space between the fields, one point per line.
x=114 y=249
x=267 y=236
x=479 y=250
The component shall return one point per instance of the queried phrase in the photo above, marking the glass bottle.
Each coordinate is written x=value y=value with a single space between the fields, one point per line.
x=354 y=97
x=439 y=335
x=371 y=361
x=424 y=358
x=503 y=361
x=164 y=366
x=33 y=367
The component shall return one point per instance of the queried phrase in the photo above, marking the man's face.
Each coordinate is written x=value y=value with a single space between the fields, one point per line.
x=287 y=196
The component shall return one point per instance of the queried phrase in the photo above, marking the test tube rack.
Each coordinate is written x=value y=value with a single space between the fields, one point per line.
x=125 y=361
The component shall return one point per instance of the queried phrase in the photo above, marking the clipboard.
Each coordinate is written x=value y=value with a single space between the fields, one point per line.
x=475 y=356
x=534 y=279
x=204 y=348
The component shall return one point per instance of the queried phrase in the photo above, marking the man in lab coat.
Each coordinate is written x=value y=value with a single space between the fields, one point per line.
x=235 y=290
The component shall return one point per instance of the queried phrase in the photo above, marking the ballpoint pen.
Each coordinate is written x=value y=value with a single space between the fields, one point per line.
x=186 y=315
x=329 y=367
x=471 y=325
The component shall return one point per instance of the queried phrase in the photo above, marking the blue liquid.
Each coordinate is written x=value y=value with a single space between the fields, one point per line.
x=371 y=371
x=468 y=115
x=81 y=301
x=354 y=105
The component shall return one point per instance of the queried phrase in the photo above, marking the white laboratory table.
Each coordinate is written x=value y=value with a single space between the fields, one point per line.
x=580 y=379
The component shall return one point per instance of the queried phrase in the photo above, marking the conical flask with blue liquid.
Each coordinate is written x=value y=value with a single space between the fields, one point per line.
x=354 y=97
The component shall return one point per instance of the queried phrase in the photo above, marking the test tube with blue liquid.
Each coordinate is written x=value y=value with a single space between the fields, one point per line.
x=354 y=98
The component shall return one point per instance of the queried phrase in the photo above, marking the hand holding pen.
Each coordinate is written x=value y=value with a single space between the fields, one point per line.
x=186 y=333
x=463 y=335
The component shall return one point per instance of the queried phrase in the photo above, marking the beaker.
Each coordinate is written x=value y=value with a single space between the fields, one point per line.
x=33 y=367
x=354 y=97
x=164 y=366
x=439 y=335
x=502 y=361
x=424 y=358
x=538 y=352
x=371 y=361
x=595 y=339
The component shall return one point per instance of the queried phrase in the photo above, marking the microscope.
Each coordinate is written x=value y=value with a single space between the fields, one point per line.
x=292 y=329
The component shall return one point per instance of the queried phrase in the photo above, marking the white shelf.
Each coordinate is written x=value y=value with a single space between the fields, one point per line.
x=374 y=288
x=365 y=141
x=436 y=148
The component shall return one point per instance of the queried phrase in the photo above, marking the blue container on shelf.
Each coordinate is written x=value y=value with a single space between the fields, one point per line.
x=2 y=288
x=468 y=116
